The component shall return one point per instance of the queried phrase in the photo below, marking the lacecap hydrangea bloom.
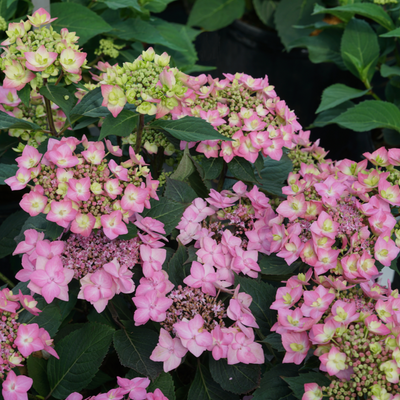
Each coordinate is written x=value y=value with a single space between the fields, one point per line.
x=18 y=341
x=103 y=266
x=354 y=332
x=241 y=108
x=39 y=53
x=84 y=191
x=148 y=83
x=337 y=216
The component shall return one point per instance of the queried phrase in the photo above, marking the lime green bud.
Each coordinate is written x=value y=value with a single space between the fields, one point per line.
x=131 y=96
x=148 y=55
x=3 y=24
x=147 y=108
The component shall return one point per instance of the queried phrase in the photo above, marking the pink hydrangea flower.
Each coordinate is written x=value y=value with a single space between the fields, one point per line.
x=193 y=336
x=168 y=350
x=28 y=339
x=16 y=387
x=135 y=388
x=150 y=306
x=296 y=345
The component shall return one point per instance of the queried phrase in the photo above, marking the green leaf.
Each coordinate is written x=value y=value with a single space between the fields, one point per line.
x=391 y=137
x=242 y=170
x=90 y=106
x=294 y=12
x=165 y=383
x=345 y=16
x=189 y=129
x=38 y=223
x=37 y=370
x=296 y=383
x=122 y=125
x=368 y=10
x=238 y=378
x=117 y=4
x=177 y=269
x=212 y=15
x=99 y=379
x=185 y=167
x=9 y=229
x=85 y=122
x=274 y=265
x=134 y=347
x=272 y=386
x=265 y=10
x=327 y=117
x=393 y=33
x=60 y=96
x=212 y=167
x=86 y=26
x=387 y=71
x=179 y=191
x=370 y=114
x=9 y=122
x=167 y=211
x=157 y=6
x=81 y=354
x=274 y=174
x=360 y=49
x=275 y=341
x=183 y=36
x=53 y=231
x=145 y=31
x=337 y=94
x=324 y=47
x=25 y=94
x=49 y=319
x=7 y=171
x=205 y=388
x=199 y=185
x=263 y=295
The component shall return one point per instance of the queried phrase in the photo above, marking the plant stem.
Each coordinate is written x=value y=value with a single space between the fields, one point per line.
x=368 y=86
x=139 y=133
x=222 y=177
x=49 y=114
x=96 y=60
x=6 y=280
x=59 y=78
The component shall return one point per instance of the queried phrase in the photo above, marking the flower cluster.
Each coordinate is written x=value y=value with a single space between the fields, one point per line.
x=152 y=140
x=115 y=276
x=241 y=108
x=87 y=254
x=305 y=151
x=18 y=341
x=40 y=53
x=84 y=191
x=230 y=230
x=355 y=334
x=148 y=83
x=42 y=266
x=102 y=265
x=16 y=387
x=12 y=105
x=196 y=322
x=339 y=216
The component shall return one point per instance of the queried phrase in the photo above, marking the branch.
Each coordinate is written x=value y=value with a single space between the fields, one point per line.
x=49 y=114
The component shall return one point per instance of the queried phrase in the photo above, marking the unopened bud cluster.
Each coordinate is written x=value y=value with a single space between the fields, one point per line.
x=148 y=83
